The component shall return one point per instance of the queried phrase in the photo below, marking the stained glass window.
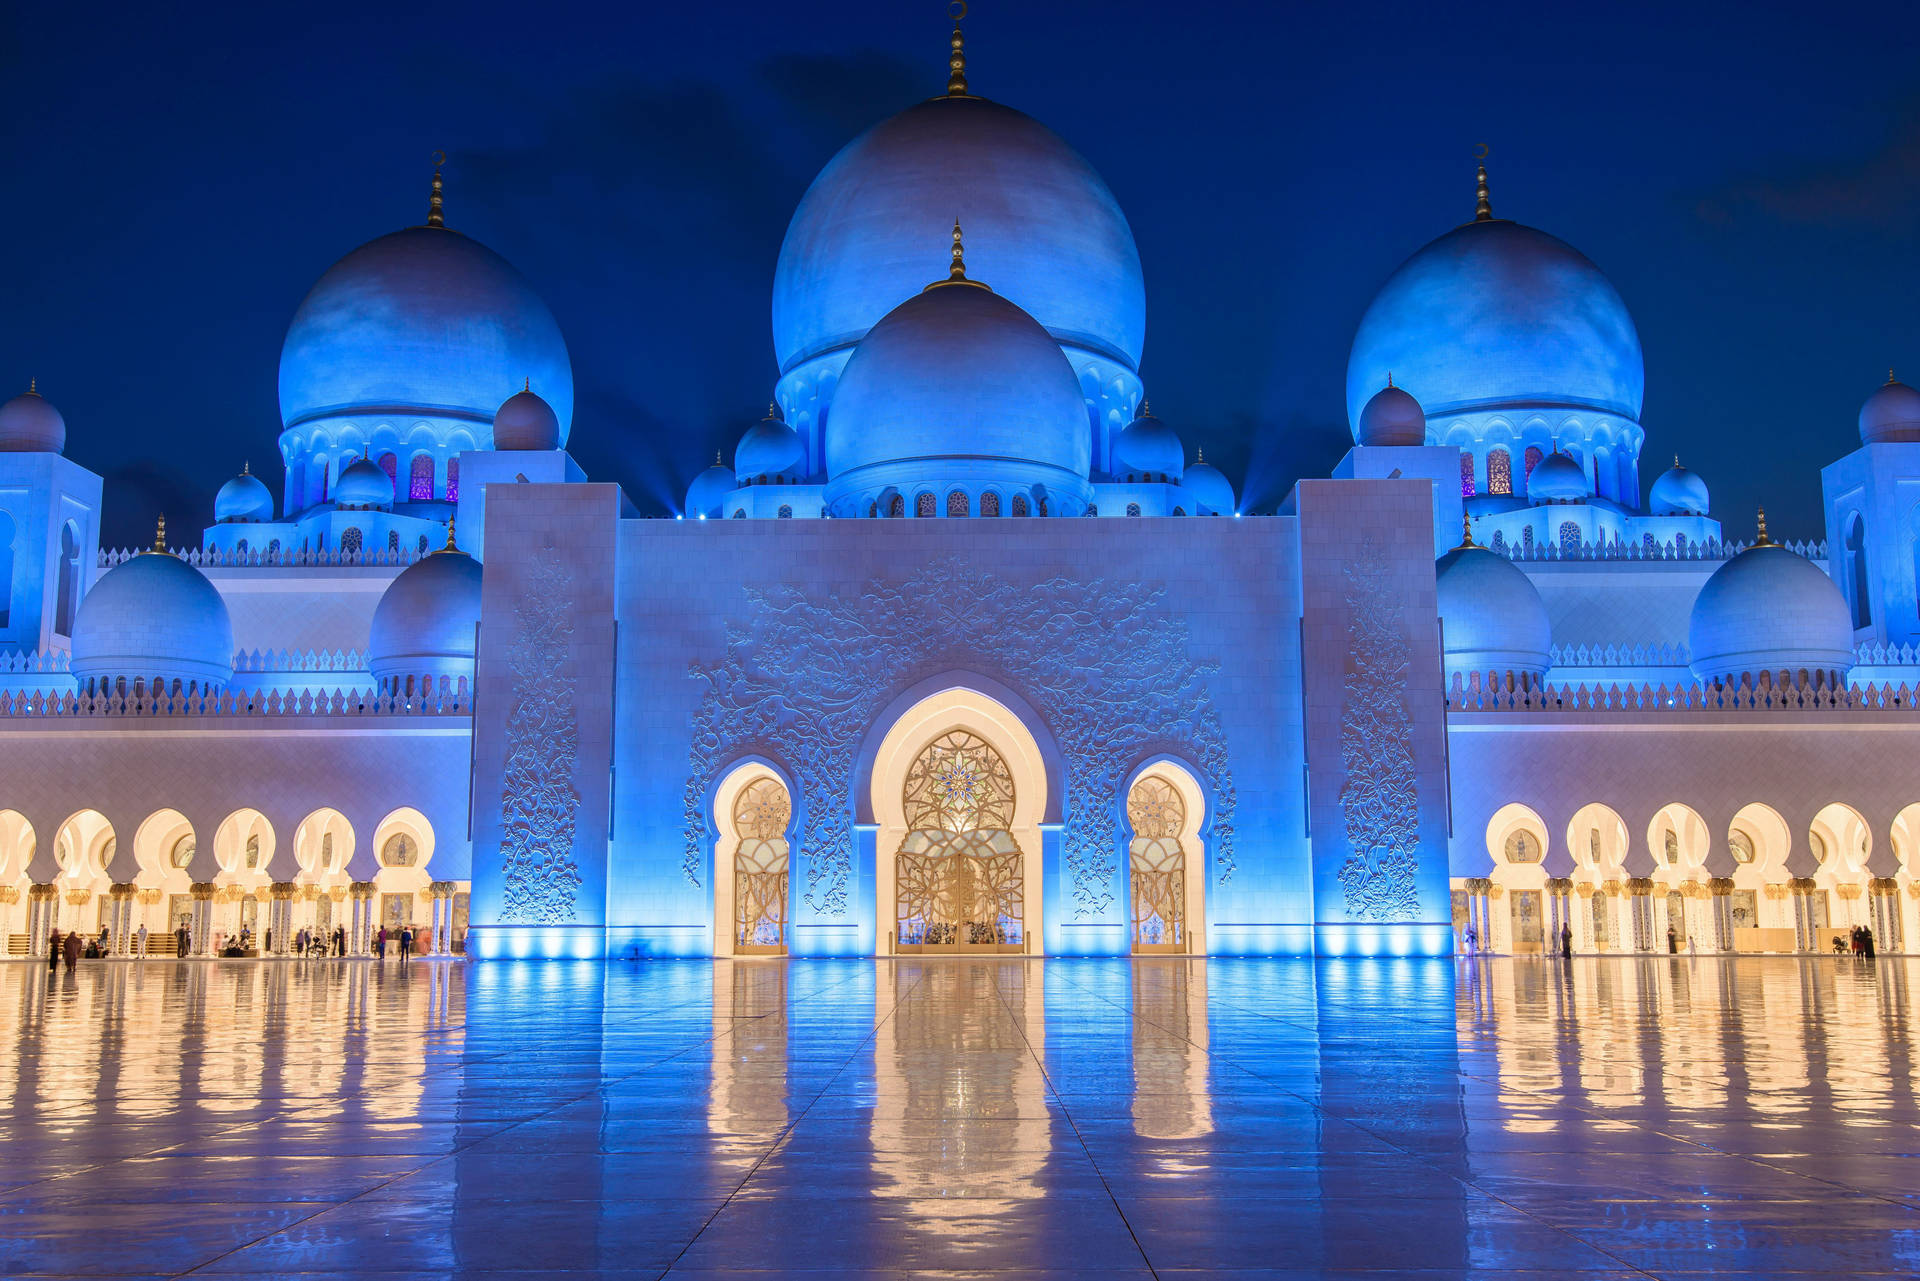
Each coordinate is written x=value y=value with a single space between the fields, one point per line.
x=350 y=540
x=1019 y=504
x=1523 y=848
x=1742 y=846
x=897 y=505
x=786 y=512
x=1154 y=808
x=1533 y=459
x=1569 y=536
x=1499 y=472
x=989 y=504
x=923 y=504
x=1466 y=476
x=453 y=480
x=420 y=478
x=390 y=465
x=957 y=503
x=400 y=851
x=1133 y=509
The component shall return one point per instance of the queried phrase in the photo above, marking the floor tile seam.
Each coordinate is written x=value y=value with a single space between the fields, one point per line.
x=1067 y=1115
x=790 y=1127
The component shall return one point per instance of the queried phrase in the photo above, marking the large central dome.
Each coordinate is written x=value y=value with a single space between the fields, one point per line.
x=1041 y=226
x=423 y=321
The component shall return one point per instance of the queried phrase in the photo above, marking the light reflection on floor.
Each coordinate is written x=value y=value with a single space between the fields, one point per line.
x=1604 y=1118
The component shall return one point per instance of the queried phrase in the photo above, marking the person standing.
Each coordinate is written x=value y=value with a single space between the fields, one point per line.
x=1866 y=941
x=380 y=944
x=406 y=941
x=140 y=941
x=71 y=949
x=1566 y=940
x=180 y=939
x=53 y=949
x=1673 y=942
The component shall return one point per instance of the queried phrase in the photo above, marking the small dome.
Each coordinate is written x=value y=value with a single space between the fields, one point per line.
x=29 y=424
x=244 y=498
x=1391 y=418
x=770 y=448
x=1891 y=414
x=153 y=618
x=1769 y=610
x=1149 y=445
x=1557 y=478
x=1209 y=487
x=1491 y=615
x=363 y=483
x=1678 y=492
x=525 y=421
x=709 y=489
x=424 y=625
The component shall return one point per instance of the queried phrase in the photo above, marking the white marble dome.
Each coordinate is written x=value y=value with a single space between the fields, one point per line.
x=526 y=421
x=154 y=618
x=29 y=424
x=1210 y=487
x=425 y=624
x=1492 y=618
x=710 y=489
x=1557 y=478
x=244 y=498
x=1769 y=610
x=1678 y=491
x=363 y=484
x=1891 y=414
x=769 y=449
x=1391 y=418
x=1147 y=445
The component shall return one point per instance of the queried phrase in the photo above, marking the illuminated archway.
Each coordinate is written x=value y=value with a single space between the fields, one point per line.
x=1517 y=843
x=753 y=812
x=1167 y=860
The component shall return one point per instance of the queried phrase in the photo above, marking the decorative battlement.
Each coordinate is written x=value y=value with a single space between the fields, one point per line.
x=249 y=661
x=1619 y=551
x=449 y=698
x=1619 y=656
x=50 y=663
x=219 y=558
x=1790 y=693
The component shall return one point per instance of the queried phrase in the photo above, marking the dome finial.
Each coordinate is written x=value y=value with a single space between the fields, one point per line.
x=1482 y=199
x=716 y=458
x=160 y=534
x=246 y=468
x=773 y=411
x=959 y=269
x=1199 y=453
x=1761 y=540
x=1389 y=378
x=451 y=545
x=957 y=60
x=1466 y=531
x=436 y=216
x=1146 y=409
x=33 y=385
x=1891 y=380
x=528 y=384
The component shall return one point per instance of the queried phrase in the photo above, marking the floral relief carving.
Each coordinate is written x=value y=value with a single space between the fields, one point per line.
x=1104 y=664
x=539 y=806
x=1379 y=801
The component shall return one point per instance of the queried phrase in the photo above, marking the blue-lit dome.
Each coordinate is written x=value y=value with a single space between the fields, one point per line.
x=1891 y=414
x=154 y=618
x=1557 y=478
x=769 y=449
x=1495 y=315
x=1769 y=610
x=1391 y=418
x=1678 y=492
x=526 y=421
x=709 y=489
x=1045 y=231
x=244 y=498
x=424 y=625
x=1150 y=446
x=363 y=483
x=29 y=424
x=1491 y=615
x=958 y=386
x=1209 y=486
x=422 y=321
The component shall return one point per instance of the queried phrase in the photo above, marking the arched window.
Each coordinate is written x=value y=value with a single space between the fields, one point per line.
x=1466 y=475
x=273 y=548
x=182 y=852
x=253 y=852
x=1593 y=846
x=1133 y=509
x=1859 y=594
x=923 y=504
x=400 y=850
x=1093 y=509
x=873 y=510
x=1019 y=504
x=350 y=540
x=6 y=568
x=391 y=465
x=897 y=505
x=1523 y=848
x=420 y=478
x=1157 y=864
x=393 y=541
x=761 y=815
x=423 y=545
x=239 y=548
x=786 y=512
x=1670 y=839
x=1499 y=472
x=990 y=503
x=959 y=876
x=1499 y=543
x=1741 y=846
x=957 y=503
x=1040 y=505
x=1569 y=536
x=1179 y=511
x=1533 y=458
x=739 y=513
x=453 y=480
x=1646 y=544
x=1526 y=539
x=66 y=597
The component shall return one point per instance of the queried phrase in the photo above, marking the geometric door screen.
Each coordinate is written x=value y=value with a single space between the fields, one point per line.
x=1158 y=866
x=760 y=816
x=959 y=876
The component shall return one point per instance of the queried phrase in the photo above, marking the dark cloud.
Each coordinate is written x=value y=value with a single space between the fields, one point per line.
x=1878 y=190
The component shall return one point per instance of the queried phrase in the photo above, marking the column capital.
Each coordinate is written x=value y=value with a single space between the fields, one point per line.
x=1803 y=884
x=442 y=889
x=1885 y=885
x=283 y=889
x=1640 y=886
x=1560 y=884
x=1721 y=886
x=1479 y=884
x=361 y=889
x=204 y=889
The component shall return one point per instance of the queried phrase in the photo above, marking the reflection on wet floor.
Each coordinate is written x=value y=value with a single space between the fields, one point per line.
x=1604 y=1118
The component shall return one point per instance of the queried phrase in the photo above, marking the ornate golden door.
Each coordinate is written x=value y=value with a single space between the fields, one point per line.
x=1158 y=866
x=760 y=816
x=959 y=876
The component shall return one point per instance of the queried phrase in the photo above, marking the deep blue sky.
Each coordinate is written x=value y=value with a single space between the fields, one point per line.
x=177 y=177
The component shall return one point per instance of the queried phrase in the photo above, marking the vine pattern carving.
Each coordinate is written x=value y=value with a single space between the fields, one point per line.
x=1379 y=801
x=539 y=806
x=1104 y=664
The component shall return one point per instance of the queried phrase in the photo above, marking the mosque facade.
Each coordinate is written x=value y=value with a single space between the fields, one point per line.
x=962 y=650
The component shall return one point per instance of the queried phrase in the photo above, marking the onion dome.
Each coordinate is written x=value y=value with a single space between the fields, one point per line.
x=363 y=483
x=959 y=385
x=1149 y=445
x=427 y=619
x=769 y=449
x=1678 y=492
x=1557 y=478
x=710 y=489
x=1391 y=418
x=1769 y=610
x=423 y=322
x=244 y=498
x=29 y=424
x=1491 y=615
x=1496 y=314
x=1212 y=492
x=525 y=421
x=1891 y=414
x=1049 y=234
x=155 y=618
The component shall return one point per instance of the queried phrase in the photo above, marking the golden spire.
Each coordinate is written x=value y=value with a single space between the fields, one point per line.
x=435 y=215
x=1890 y=378
x=957 y=59
x=246 y=468
x=716 y=458
x=1199 y=454
x=1762 y=540
x=1482 y=200
x=33 y=386
x=1466 y=531
x=451 y=545
x=160 y=534
x=528 y=384
x=1146 y=409
x=1389 y=378
x=957 y=271
x=1676 y=462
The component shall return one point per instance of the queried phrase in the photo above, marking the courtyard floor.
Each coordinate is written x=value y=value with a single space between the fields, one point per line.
x=1608 y=1117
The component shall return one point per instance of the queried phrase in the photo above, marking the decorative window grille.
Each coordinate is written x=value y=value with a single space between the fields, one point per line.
x=1133 y=509
x=923 y=504
x=1569 y=536
x=1466 y=475
x=989 y=504
x=1533 y=459
x=420 y=478
x=957 y=503
x=1499 y=472
x=453 y=480
x=1019 y=504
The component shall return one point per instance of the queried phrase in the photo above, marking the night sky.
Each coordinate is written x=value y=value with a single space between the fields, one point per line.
x=177 y=177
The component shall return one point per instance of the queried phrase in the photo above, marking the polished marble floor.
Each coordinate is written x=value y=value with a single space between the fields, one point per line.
x=1102 y=1119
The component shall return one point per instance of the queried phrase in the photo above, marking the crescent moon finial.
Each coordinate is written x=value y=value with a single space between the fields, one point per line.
x=439 y=159
x=1480 y=151
x=957 y=57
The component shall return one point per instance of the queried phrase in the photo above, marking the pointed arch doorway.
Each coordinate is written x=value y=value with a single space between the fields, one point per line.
x=959 y=874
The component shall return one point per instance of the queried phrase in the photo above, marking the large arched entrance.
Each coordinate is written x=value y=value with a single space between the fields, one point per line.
x=959 y=876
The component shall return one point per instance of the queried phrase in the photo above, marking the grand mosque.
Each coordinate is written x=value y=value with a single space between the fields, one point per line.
x=963 y=649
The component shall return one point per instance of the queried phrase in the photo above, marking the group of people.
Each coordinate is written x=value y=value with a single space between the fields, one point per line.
x=1859 y=941
x=72 y=946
